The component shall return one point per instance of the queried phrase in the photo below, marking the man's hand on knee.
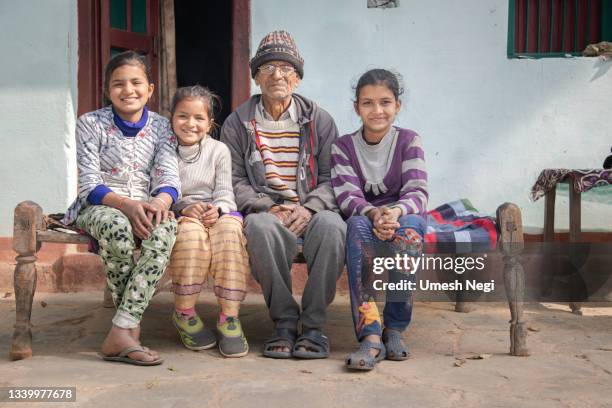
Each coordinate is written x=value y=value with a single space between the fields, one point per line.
x=279 y=213
x=298 y=219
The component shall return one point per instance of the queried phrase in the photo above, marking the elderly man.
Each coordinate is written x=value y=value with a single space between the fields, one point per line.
x=280 y=144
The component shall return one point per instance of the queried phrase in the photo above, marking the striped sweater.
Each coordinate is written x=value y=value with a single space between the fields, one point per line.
x=405 y=182
x=278 y=142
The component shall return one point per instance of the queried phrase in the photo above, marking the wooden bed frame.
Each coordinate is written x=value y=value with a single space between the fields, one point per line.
x=31 y=230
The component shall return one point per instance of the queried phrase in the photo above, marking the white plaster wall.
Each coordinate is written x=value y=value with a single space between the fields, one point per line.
x=38 y=44
x=489 y=123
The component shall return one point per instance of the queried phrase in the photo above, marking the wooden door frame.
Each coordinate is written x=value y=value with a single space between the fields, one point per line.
x=89 y=76
x=241 y=36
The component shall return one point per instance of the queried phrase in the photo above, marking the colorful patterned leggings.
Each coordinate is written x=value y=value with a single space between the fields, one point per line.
x=360 y=244
x=219 y=250
x=132 y=283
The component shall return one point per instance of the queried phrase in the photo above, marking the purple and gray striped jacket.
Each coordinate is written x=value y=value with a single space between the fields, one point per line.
x=406 y=179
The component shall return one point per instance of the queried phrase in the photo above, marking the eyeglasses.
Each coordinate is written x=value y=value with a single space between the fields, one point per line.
x=270 y=69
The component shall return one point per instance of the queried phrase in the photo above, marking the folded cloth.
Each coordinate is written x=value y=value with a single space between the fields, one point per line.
x=457 y=227
x=582 y=180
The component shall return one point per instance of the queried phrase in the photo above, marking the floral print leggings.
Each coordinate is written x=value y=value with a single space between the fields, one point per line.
x=360 y=245
x=132 y=283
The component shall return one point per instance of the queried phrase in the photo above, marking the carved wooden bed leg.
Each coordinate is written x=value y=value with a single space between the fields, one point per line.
x=511 y=244
x=576 y=308
x=28 y=218
x=463 y=307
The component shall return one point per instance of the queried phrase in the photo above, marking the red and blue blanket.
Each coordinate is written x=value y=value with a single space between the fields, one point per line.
x=457 y=227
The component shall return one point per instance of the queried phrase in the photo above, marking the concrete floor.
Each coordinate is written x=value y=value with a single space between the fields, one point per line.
x=570 y=366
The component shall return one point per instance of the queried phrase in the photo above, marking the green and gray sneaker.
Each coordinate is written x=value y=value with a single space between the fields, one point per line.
x=193 y=333
x=232 y=342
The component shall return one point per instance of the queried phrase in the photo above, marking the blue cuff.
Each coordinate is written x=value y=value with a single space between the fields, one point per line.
x=97 y=194
x=169 y=190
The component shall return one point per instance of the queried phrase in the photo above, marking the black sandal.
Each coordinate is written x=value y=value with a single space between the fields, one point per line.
x=362 y=359
x=394 y=343
x=282 y=337
x=315 y=342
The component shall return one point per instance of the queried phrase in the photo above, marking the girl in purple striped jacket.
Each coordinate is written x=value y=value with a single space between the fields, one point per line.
x=380 y=183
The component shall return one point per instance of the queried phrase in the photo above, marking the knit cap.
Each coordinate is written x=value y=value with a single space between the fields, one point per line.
x=277 y=46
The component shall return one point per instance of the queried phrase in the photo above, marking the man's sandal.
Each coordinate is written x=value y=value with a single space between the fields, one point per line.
x=282 y=337
x=394 y=343
x=362 y=359
x=315 y=344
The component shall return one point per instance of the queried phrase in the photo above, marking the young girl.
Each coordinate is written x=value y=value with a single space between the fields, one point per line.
x=128 y=179
x=210 y=237
x=380 y=184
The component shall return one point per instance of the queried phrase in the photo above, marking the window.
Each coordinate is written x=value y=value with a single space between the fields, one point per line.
x=557 y=28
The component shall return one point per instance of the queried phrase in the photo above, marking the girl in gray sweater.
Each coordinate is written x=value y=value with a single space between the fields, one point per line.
x=210 y=238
